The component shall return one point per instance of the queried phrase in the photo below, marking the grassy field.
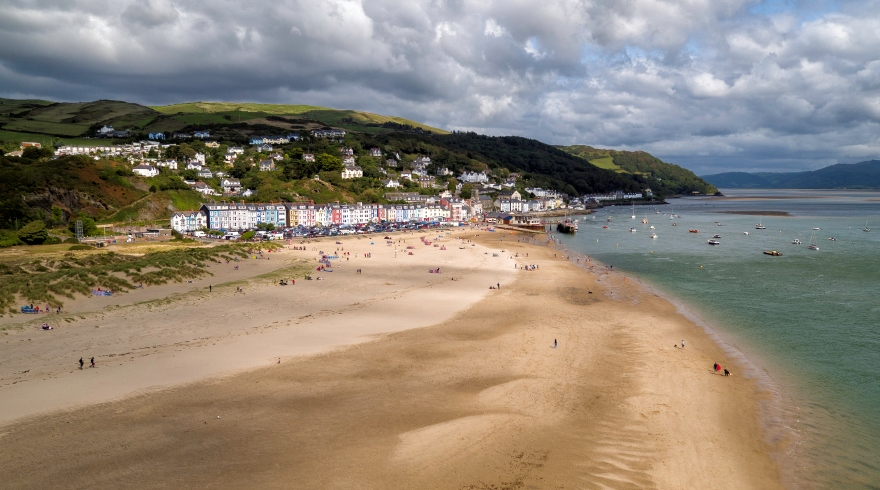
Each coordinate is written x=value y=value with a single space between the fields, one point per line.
x=46 y=127
x=211 y=107
x=605 y=162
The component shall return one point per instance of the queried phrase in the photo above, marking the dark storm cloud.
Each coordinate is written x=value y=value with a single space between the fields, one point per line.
x=708 y=84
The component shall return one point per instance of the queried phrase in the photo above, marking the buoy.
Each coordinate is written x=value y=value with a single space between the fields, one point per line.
x=701 y=267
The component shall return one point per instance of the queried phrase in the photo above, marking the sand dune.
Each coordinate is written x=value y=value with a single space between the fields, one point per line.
x=364 y=397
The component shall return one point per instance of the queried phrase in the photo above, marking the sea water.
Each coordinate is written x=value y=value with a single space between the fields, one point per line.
x=808 y=322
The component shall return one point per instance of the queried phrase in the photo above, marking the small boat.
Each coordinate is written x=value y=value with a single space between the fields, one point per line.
x=773 y=253
x=759 y=226
x=713 y=242
x=632 y=230
x=653 y=235
x=812 y=245
x=674 y=224
x=817 y=229
x=832 y=239
x=795 y=242
x=567 y=226
x=605 y=227
x=693 y=231
x=645 y=220
x=716 y=236
x=609 y=219
x=745 y=233
x=651 y=227
x=634 y=211
x=866 y=225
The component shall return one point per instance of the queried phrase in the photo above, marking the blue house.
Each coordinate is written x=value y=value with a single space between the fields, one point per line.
x=256 y=140
x=156 y=136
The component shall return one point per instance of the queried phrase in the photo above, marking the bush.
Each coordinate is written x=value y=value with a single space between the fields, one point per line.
x=52 y=240
x=71 y=240
x=34 y=233
x=81 y=247
x=9 y=238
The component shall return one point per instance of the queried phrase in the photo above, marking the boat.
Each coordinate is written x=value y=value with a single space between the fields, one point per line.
x=645 y=219
x=605 y=227
x=567 y=226
x=773 y=253
x=796 y=242
x=866 y=225
x=759 y=226
x=651 y=227
x=716 y=236
x=634 y=211
x=632 y=230
x=674 y=224
x=812 y=245
x=713 y=242
x=609 y=219
x=693 y=231
x=653 y=235
x=832 y=239
x=817 y=229
x=745 y=233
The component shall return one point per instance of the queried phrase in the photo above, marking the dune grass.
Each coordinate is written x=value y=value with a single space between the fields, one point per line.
x=48 y=278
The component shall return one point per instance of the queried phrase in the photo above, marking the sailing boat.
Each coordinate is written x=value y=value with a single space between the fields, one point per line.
x=812 y=245
x=671 y=214
x=866 y=225
x=760 y=226
x=634 y=210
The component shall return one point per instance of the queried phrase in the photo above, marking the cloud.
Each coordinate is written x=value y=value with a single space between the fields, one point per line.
x=714 y=85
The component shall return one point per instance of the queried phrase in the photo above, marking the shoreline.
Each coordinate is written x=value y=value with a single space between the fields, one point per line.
x=771 y=404
x=473 y=397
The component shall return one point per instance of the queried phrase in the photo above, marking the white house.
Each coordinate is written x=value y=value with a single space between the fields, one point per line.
x=308 y=157
x=184 y=222
x=391 y=183
x=267 y=165
x=231 y=186
x=473 y=177
x=146 y=170
x=204 y=189
x=352 y=172
x=375 y=152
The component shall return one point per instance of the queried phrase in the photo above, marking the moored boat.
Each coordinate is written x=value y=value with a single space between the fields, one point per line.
x=713 y=242
x=773 y=253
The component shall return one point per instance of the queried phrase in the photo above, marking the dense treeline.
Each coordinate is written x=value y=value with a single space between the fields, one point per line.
x=663 y=178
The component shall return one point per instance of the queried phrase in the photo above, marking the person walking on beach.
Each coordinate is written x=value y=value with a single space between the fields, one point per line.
x=81 y=362
x=682 y=343
x=210 y=288
x=93 y=362
x=555 y=344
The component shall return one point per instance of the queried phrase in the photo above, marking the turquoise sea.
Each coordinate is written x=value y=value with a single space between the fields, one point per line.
x=806 y=323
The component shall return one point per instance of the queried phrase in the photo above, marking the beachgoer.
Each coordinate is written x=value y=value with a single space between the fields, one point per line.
x=715 y=367
x=555 y=344
x=210 y=288
x=93 y=362
x=682 y=343
x=499 y=286
x=81 y=362
x=726 y=372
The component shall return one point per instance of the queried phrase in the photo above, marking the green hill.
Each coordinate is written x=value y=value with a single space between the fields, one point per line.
x=662 y=178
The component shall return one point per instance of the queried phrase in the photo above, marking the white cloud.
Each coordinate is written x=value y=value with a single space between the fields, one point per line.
x=695 y=77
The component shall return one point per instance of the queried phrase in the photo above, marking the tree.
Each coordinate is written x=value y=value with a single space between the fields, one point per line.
x=266 y=226
x=34 y=233
x=34 y=153
x=329 y=163
x=466 y=191
x=452 y=185
x=88 y=224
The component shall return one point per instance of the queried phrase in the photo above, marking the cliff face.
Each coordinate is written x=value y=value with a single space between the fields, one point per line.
x=71 y=201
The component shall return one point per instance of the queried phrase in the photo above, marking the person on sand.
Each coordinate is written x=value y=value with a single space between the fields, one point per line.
x=682 y=343
x=210 y=288
x=93 y=362
x=726 y=372
x=555 y=345
x=81 y=362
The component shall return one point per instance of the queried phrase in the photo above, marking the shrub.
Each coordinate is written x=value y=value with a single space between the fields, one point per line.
x=71 y=240
x=81 y=247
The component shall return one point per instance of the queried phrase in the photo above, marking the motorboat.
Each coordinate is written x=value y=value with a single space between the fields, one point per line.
x=653 y=235
x=632 y=230
x=796 y=242
x=832 y=239
x=693 y=231
x=817 y=229
x=773 y=253
x=745 y=233
x=652 y=227
x=716 y=236
x=759 y=226
x=713 y=242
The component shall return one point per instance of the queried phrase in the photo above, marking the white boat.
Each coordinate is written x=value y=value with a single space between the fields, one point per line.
x=634 y=211
x=745 y=233
x=759 y=226
x=817 y=229
x=652 y=227
x=653 y=235
x=716 y=236
x=866 y=225
x=632 y=230
x=645 y=219
x=796 y=242
x=812 y=245
x=713 y=242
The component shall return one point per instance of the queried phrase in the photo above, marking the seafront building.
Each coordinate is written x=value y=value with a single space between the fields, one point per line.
x=238 y=216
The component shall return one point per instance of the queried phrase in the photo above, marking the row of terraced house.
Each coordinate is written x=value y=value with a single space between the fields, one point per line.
x=234 y=216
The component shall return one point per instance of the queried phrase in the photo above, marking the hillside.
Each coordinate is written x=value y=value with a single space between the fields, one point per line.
x=863 y=175
x=663 y=178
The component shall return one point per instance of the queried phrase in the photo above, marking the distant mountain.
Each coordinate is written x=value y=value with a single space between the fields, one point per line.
x=863 y=175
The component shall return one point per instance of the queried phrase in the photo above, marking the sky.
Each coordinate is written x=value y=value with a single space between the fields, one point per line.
x=711 y=85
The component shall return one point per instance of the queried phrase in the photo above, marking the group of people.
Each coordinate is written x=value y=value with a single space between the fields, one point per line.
x=717 y=368
x=81 y=362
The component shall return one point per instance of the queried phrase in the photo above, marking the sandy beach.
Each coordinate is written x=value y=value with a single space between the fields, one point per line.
x=393 y=377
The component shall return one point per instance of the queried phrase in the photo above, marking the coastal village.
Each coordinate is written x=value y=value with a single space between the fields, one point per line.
x=416 y=189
